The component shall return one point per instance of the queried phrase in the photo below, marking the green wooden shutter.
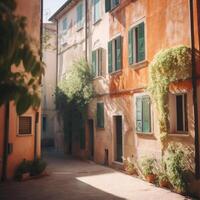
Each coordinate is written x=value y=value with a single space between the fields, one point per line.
x=96 y=14
x=116 y=2
x=141 y=42
x=94 y=62
x=82 y=138
x=118 y=53
x=146 y=114
x=79 y=15
x=110 y=57
x=130 y=47
x=100 y=115
x=100 y=62
x=107 y=5
x=139 y=114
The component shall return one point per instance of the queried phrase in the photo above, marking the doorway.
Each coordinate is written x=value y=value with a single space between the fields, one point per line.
x=91 y=136
x=118 y=138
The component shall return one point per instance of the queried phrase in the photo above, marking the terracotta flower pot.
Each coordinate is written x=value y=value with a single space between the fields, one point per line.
x=164 y=183
x=151 y=178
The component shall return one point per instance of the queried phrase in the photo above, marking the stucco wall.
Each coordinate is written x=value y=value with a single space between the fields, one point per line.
x=166 y=25
x=49 y=83
x=71 y=43
x=23 y=146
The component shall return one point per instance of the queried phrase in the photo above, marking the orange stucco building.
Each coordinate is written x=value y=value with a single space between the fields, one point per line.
x=22 y=129
x=120 y=40
x=141 y=28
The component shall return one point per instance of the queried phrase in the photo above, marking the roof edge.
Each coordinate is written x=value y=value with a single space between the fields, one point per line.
x=53 y=17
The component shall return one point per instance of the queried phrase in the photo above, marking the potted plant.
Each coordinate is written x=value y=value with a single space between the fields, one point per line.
x=178 y=159
x=163 y=179
x=148 y=167
x=129 y=166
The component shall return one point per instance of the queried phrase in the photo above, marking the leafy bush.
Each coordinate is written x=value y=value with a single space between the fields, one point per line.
x=148 y=166
x=129 y=165
x=178 y=159
x=72 y=97
x=33 y=167
x=37 y=167
x=168 y=65
x=20 y=67
x=161 y=172
x=24 y=167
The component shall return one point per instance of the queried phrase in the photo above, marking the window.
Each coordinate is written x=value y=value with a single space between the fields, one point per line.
x=115 y=54
x=25 y=125
x=143 y=114
x=44 y=123
x=96 y=10
x=82 y=138
x=64 y=24
x=136 y=44
x=181 y=113
x=100 y=115
x=79 y=12
x=97 y=62
x=110 y=4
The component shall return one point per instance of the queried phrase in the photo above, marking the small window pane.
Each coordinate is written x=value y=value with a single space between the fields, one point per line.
x=25 y=125
x=181 y=113
x=143 y=114
x=64 y=24
x=100 y=115
x=44 y=123
x=96 y=10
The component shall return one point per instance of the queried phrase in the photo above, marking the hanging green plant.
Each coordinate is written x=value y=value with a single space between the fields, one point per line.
x=168 y=65
x=72 y=97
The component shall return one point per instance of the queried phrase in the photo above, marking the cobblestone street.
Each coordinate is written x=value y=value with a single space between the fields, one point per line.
x=73 y=179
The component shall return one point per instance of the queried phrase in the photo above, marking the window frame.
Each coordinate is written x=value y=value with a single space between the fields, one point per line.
x=97 y=122
x=140 y=95
x=114 y=54
x=98 y=69
x=135 y=61
x=66 y=28
x=32 y=125
x=93 y=10
x=80 y=23
x=112 y=6
x=185 y=114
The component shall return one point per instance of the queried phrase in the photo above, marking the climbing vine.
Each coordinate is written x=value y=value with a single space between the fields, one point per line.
x=168 y=65
x=72 y=97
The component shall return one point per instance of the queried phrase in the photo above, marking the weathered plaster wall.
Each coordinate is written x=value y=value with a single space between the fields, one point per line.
x=49 y=83
x=23 y=146
x=71 y=43
x=167 y=25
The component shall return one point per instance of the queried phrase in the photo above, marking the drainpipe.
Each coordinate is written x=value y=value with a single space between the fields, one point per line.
x=86 y=25
x=36 y=135
x=41 y=53
x=6 y=139
x=56 y=52
x=194 y=86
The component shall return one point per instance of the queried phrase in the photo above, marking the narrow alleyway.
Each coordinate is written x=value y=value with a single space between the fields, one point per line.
x=72 y=179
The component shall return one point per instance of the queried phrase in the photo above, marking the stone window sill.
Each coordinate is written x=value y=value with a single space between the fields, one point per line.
x=179 y=134
x=116 y=72
x=96 y=22
x=139 y=65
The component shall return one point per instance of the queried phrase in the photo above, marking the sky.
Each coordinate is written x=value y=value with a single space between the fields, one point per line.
x=50 y=7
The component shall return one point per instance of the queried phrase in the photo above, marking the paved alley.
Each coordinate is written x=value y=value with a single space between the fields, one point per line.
x=73 y=179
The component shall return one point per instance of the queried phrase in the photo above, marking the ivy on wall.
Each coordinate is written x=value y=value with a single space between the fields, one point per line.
x=169 y=65
x=72 y=97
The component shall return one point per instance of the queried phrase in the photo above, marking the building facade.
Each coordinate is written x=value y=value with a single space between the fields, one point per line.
x=122 y=39
x=49 y=86
x=22 y=129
